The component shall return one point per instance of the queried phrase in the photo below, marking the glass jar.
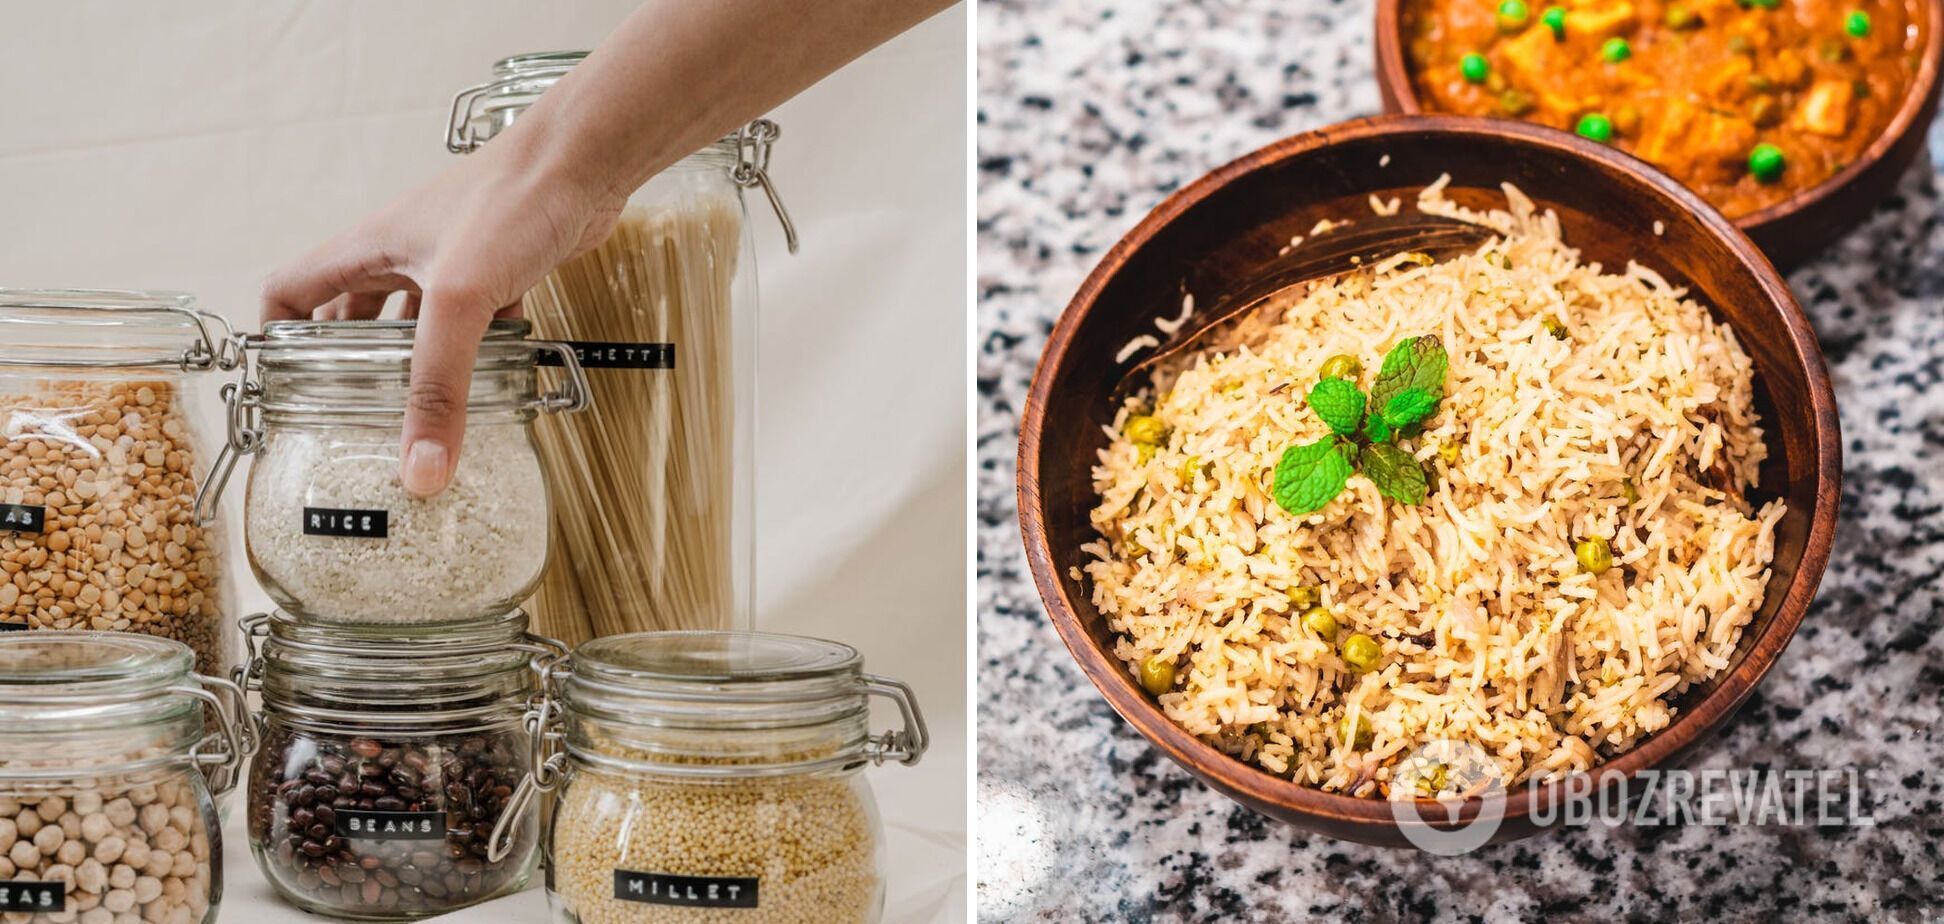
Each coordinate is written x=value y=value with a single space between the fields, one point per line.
x=714 y=776
x=100 y=462
x=388 y=756
x=106 y=811
x=657 y=534
x=332 y=533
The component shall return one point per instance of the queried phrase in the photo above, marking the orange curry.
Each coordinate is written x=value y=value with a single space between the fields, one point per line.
x=1745 y=101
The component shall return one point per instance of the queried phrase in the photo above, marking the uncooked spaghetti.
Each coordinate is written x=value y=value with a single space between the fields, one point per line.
x=643 y=481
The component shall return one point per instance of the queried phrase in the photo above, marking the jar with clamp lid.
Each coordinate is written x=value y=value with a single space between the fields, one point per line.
x=332 y=533
x=110 y=746
x=389 y=754
x=100 y=462
x=659 y=533
x=714 y=776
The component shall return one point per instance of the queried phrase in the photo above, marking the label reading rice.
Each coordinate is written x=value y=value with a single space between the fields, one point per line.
x=48 y=897
x=689 y=891
x=606 y=354
x=20 y=518
x=372 y=825
x=348 y=524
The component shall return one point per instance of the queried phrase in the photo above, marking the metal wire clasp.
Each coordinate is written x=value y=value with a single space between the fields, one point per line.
x=753 y=143
x=549 y=757
x=906 y=746
x=243 y=398
x=235 y=738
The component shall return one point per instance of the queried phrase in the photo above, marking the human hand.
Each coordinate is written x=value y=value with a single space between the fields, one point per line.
x=463 y=248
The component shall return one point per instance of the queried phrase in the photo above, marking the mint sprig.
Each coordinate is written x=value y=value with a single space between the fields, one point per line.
x=1365 y=430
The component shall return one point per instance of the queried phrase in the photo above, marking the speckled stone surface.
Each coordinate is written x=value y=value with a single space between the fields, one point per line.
x=1092 y=111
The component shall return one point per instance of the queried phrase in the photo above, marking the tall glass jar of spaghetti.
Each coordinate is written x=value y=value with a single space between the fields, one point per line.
x=653 y=509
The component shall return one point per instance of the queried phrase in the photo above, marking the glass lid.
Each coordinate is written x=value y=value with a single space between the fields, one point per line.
x=98 y=665
x=714 y=658
x=107 y=328
x=353 y=345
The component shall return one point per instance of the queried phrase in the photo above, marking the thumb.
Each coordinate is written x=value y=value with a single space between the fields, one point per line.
x=450 y=326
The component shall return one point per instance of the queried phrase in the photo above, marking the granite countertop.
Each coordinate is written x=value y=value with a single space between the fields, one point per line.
x=1092 y=111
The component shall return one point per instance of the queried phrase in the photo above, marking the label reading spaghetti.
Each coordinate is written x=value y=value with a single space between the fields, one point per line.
x=46 y=897
x=689 y=891
x=606 y=354
x=20 y=518
x=348 y=524
x=370 y=825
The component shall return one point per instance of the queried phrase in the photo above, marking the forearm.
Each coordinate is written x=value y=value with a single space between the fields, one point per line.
x=679 y=74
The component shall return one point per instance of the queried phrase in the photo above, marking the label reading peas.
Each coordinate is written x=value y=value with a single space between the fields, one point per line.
x=690 y=891
x=607 y=354
x=49 y=897
x=20 y=518
x=374 y=825
x=348 y=524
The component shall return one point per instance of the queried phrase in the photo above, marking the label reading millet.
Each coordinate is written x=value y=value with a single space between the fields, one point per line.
x=347 y=524
x=371 y=825
x=20 y=518
x=48 y=897
x=688 y=891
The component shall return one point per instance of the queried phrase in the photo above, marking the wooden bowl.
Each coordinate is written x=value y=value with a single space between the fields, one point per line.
x=1799 y=227
x=1211 y=236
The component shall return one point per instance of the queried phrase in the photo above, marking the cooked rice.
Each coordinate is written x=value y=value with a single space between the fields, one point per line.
x=1491 y=632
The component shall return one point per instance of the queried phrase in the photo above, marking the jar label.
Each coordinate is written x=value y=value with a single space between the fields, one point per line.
x=690 y=891
x=378 y=825
x=612 y=354
x=50 y=897
x=20 y=518
x=349 y=524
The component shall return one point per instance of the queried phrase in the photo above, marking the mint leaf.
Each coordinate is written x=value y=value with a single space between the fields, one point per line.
x=1396 y=475
x=1339 y=403
x=1415 y=362
x=1376 y=429
x=1409 y=406
x=1310 y=476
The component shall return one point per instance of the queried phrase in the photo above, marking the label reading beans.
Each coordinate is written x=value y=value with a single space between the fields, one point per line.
x=607 y=354
x=690 y=891
x=373 y=825
x=20 y=518
x=348 y=524
x=50 y=897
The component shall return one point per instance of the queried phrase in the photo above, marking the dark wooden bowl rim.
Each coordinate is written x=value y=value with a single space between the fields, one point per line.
x=1343 y=812
x=1394 y=76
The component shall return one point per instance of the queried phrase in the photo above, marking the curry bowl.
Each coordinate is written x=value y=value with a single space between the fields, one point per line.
x=1790 y=228
x=1216 y=235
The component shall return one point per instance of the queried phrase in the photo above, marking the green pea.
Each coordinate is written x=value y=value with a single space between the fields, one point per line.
x=1554 y=326
x=1555 y=19
x=1319 y=621
x=1595 y=555
x=1356 y=734
x=1341 y=366
x=1513 y=15
x=1857 y=23
x=1303 y=597
x=1449 y=453
x=1157 y=675
x=1616 y=50
x=1595 y=126
x=1681 y=19
x=1145 y=429
x=1132 y=547
x=1765 y=162
x=1361 y=652
x=1190 y=468
x=1628 y=491
x=1474 y=66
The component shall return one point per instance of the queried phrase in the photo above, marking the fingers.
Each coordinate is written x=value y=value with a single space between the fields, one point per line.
x=349 y=265
x=360 y=306
x=450 y=325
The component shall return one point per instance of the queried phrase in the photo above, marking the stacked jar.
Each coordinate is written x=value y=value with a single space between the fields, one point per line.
x=396 y=673
x=713 y=776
